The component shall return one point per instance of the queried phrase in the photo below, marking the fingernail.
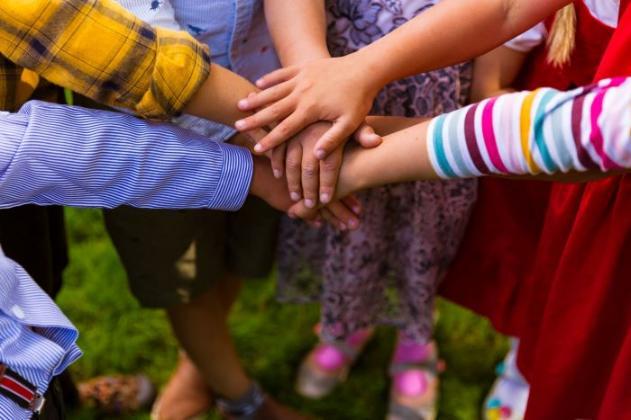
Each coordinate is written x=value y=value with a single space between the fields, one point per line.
x=353 y=224
x=317 y=224
x=294 y=196
x=240 y=125
x=258 y=148
x=325 y=198
x=291 y=215
x=342 y=226
x=320 y=154
x=309 y=203
x=243 y=103
x=259 y=82
x=278 y=173
x=357 y=209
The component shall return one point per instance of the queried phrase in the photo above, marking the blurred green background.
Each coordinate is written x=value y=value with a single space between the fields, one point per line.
x=117 y=336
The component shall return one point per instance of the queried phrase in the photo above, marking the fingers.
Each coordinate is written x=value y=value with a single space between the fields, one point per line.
x=335 y=136
x=276 y=77
x=329 y=172
x=254 y=101
x=266 y=116
x=254 y=136
x=278 y=160
x=285 y=130
x=353 y=203
x=342 y=217
x=331 y=219
x=337 y=214
x=366 y=136
x=293 y=167
x=310 y=178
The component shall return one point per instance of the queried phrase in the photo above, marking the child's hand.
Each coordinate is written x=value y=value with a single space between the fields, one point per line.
x=333 y=90
x=342 y=214
x=308 y=177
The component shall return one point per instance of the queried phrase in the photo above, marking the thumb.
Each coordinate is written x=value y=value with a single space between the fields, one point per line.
x=366 y=136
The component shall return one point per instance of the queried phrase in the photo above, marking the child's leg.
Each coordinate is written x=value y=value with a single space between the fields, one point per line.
x=187 y=393
x=328 y=363
x=414 y=369
x=201 y=329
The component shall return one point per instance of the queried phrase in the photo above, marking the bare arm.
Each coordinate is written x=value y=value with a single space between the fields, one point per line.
x=495 y=72
x=461 y=30
x=298 y=28
x=218 y=96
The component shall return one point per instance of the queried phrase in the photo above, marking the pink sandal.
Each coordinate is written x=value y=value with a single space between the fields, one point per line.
x=328 y=364
x=414 y=390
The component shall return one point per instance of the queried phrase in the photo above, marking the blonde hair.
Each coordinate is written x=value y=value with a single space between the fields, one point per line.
x=562 y=38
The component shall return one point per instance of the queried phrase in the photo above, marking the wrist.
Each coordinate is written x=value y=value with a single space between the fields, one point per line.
x=303 y=56
x=256 y=175
x=373 y=74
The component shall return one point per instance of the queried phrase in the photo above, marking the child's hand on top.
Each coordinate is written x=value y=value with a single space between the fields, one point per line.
x=343 y=214
x=307 y=176
x=331 y=89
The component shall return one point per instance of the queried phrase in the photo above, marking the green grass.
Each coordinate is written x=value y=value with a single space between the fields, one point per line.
x=118 y=336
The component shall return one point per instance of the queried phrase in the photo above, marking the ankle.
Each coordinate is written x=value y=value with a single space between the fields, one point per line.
x=244 y=407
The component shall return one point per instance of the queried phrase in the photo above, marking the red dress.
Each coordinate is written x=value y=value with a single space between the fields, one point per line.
x=559 y=279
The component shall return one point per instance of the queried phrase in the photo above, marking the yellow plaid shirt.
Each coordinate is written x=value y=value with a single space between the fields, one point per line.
x=100 y=50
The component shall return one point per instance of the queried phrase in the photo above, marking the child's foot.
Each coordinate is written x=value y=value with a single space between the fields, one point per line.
x=508 y=397
x=414 y=390
x=328 y=364
x=118 y=394
x=185 y=396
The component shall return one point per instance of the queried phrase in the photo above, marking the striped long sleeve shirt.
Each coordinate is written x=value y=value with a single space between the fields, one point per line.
x=56 y=154
x=36 y=340
x=543 y=131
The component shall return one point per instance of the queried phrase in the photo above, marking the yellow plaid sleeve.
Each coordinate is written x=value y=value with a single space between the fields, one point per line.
x=9 y=78
x=98 y=49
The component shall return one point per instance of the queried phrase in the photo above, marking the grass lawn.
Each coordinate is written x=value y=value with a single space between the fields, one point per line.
x=118 y=336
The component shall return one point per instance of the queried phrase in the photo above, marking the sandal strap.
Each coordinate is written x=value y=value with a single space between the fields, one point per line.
x=318 y=381
x=404 y=412
x=343 y=347
x=429 y=366
x=244 y=408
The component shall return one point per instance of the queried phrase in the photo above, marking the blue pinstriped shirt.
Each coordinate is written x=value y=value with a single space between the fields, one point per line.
x=55 y=154
x=36 y=340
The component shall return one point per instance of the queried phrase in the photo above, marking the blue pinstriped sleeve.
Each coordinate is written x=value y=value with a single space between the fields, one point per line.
x=55 y=154
x=36 y=340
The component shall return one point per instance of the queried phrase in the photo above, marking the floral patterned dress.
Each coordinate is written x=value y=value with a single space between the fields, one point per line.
x=389 y=269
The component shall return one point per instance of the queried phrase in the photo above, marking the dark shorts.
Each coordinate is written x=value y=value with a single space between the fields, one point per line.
x=171 y=256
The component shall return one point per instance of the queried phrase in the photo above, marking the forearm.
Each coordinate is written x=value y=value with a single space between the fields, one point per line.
x=87 y=158
x=384 y=125
x=217 y=98
x=298 y=28
x=435 y=38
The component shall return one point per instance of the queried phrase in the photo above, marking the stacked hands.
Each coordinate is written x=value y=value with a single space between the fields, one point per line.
x=305 y=145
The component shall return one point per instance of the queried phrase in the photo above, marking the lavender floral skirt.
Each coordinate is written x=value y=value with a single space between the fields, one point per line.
x=388 y=270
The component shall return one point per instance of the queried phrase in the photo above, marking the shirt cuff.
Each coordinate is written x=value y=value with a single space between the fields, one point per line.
x=236 y=178
x=181 y=66
x=12 y=128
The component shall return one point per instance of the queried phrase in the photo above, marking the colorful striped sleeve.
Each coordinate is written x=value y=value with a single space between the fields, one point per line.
x=543 y=131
